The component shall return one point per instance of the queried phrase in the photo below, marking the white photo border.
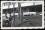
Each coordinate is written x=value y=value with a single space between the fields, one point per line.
x=24 y=27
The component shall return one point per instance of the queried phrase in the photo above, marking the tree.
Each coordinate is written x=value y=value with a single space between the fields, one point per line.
x=13 y=21
x=20 y=12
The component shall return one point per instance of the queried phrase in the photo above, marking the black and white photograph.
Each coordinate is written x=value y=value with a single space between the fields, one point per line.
x=22 y=14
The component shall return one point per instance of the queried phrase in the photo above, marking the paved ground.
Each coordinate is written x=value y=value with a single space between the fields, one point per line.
x=32 y=21
x=27 y=21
